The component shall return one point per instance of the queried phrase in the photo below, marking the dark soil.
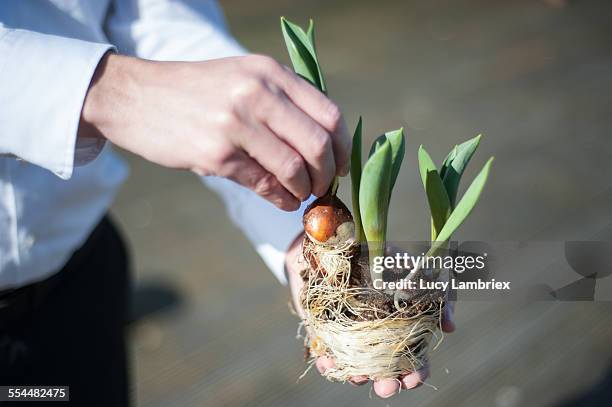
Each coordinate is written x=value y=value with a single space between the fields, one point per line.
x=382 y=303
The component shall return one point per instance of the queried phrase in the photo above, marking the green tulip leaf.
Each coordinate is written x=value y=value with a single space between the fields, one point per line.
x=437 y=197
x=374 y=198
x=302 y=52
x=466 y=204
x=449 y=158
x=426 y=164
x=356 y=180
x=456 y=166
x=311 y=35
x=398 y=150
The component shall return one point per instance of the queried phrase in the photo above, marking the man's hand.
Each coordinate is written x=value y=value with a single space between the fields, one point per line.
x=383 y=388
x=248 y=119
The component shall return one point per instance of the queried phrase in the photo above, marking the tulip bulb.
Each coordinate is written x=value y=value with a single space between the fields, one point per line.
x=328 y=221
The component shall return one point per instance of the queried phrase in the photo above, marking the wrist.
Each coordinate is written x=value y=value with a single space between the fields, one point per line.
x=110 y=87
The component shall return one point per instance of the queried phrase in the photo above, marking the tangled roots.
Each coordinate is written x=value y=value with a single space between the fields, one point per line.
x=339 y=322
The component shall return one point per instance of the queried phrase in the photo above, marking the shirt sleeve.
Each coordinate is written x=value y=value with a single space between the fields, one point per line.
x=171 y=30
x=44 y=80
x=270 y=230
x=191 y=30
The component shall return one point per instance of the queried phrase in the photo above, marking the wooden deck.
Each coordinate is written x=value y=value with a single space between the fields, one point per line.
x=212 y=325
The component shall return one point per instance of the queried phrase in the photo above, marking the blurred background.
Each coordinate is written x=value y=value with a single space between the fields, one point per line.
x=211 y=326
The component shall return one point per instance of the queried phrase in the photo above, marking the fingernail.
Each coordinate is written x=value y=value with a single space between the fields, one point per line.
x=386 y=388
x=358 y=380
x=414 y=380
x=449 y=326
x=386 y=396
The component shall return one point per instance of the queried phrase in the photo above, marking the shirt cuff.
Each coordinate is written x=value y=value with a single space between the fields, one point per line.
x=270 y=230
x=44 y=82
x=87 y=149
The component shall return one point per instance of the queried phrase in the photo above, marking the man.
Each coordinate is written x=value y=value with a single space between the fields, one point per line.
x=66 y=95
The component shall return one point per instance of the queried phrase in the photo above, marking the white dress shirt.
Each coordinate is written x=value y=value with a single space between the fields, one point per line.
x=53 y=189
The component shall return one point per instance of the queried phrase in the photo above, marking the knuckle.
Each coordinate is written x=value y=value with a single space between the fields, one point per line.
x=264 y=62
x=222 y=156
x=275 y=90
x=249 y=90
x=294 y=167
x=254 y=86
x=321 y=145
x=227 y=122
x=265 y=186
x=334 y=116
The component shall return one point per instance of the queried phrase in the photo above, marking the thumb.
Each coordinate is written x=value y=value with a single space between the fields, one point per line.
x=448 y=323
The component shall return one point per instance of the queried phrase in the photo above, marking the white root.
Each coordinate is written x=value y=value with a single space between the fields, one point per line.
x=380 y=348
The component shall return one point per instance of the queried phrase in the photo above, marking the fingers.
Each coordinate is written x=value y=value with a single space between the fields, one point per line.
x=448 y=323
x=386 y=388
x=306 y=136
x=299 y=115
x=415 y=379
x=323 y=363
x=326 y=113
x=321 y=109
x=245 y=171
x=279 y=159
x=359 y=380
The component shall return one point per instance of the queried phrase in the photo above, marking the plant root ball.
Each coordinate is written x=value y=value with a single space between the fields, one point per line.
x=328 y=221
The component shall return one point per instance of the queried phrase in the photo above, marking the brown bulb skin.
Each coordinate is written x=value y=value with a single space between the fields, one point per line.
x=324 y=216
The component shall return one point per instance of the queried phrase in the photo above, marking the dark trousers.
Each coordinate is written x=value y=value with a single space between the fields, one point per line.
x=70 y=329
